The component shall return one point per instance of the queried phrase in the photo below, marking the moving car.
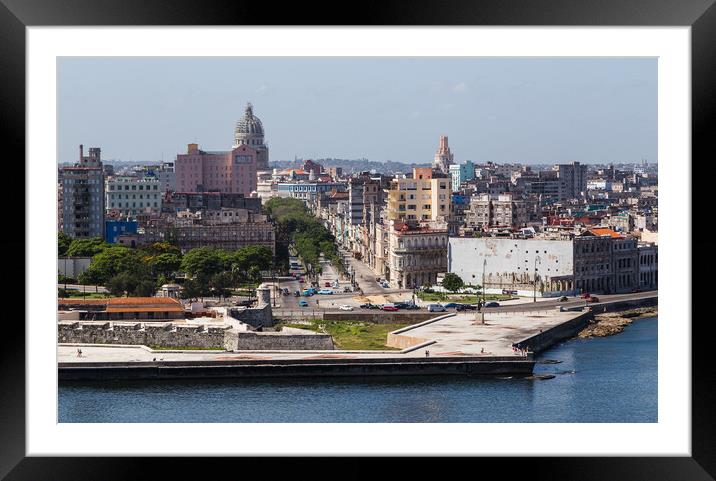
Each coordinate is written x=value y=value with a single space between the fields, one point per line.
x=563 y=299
x=369 y=306
x=468 y=307
x=297 y=294
x=345 y=307
x=346 y=289
x=451 y=305
x=308 y=292
x=436 y=308
x=303 y=303
x=388 y=307
x=385 y=285
x=327 y=284
x=492 y=304
x=593 y=299
x=586 y=295
x=325 y=291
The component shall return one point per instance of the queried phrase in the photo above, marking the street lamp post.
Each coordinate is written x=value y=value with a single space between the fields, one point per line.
x=484 y=264
x=534 y=289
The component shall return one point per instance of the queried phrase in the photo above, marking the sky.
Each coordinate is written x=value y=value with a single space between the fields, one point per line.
x=526 y=110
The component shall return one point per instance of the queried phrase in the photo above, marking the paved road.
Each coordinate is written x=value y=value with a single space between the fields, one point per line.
x=572 y=302
x=540 y=305
x=79 y=287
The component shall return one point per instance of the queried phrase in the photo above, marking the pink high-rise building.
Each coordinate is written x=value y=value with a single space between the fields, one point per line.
x=443 y=157
x=229 y=172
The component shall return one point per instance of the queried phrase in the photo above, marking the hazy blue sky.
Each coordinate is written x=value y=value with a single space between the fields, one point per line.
x=530 y=110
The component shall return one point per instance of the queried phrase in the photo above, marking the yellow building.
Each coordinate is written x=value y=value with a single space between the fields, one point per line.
x=423 y=197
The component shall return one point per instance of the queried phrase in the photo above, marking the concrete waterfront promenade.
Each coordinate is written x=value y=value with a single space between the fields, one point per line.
x=448 y=344
x=457 y=344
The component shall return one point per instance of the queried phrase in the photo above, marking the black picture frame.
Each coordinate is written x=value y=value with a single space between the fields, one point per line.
x=700 y=15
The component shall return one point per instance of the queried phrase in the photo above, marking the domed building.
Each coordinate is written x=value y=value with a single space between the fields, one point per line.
x=250 y=131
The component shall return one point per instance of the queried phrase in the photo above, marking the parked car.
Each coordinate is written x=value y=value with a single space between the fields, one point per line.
x=297 y=294
x=468 y=307
x=325 y=291
x=303 y=303
x=412 y=307
x=369 y=306
x=492 y=304
x=436 y=308
x=563 y=299
x=345 y=307
x=301 y=279
x=586 y=295
x=245 y=303
x=451 y=305
x=593 y=299
x=389 y=307
x=327 y=284
x=346 y=289
x=385 y=285
x=307 y=292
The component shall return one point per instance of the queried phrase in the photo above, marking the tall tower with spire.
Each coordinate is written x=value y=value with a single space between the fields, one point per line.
x=250 y=131
x=443 y=157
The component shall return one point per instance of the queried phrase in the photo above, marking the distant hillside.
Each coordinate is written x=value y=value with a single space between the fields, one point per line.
x=353 y=166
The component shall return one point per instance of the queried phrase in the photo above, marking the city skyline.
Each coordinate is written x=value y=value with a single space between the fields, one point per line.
x=531 y=111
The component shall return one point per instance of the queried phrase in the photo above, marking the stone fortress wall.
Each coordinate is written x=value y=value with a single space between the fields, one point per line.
x=148 y=334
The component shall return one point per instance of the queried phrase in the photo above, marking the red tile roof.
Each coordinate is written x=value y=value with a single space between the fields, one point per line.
x=127 y=304
x=609 y=232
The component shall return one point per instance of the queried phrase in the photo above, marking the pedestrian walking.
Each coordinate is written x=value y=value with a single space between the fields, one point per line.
x=79 y=352
x=427 y=353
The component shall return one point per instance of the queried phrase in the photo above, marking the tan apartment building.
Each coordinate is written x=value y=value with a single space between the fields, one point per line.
x=425 y=196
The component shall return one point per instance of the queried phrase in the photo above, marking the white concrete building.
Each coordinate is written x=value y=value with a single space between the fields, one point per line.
x=128 y=196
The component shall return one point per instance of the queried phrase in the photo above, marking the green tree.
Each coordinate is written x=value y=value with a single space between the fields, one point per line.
x=86 y=247
x=165 y=264
x=113 y=261
x=145 y=288
x=91 y=277
x=221 y=284
x=122 y=284
x=259 y=256
x=191 y=289
x=63 y=243
x=163 y=248
x=203 y=260
x=452 y=282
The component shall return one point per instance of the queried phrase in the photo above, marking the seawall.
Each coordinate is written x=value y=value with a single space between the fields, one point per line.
x=567 y=330
x=546 y=339
x=104 y=371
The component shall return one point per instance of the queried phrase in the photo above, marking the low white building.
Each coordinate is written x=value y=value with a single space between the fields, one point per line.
x=598 y=260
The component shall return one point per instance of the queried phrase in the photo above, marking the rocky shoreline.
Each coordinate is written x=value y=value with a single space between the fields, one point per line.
x=610 y=323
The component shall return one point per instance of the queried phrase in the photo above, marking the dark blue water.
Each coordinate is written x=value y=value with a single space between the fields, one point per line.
x=610 y=379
